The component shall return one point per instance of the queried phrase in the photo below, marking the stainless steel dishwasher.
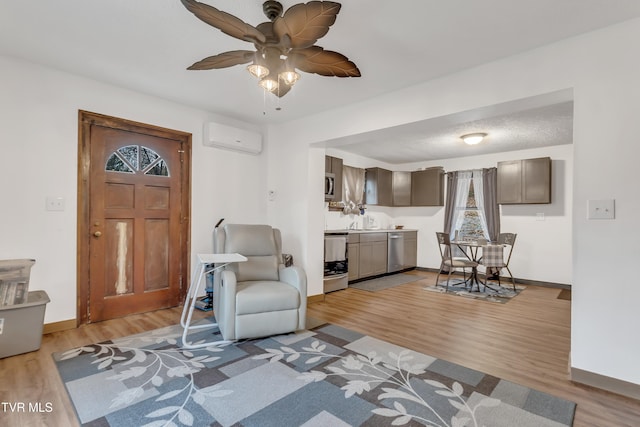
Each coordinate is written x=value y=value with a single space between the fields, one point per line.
x=395 y=251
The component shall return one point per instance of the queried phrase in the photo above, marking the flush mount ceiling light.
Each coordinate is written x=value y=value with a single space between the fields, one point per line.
x=473 y=138
x=282 y=45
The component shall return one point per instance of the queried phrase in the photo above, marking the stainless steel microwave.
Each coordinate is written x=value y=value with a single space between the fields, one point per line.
x=329 y=186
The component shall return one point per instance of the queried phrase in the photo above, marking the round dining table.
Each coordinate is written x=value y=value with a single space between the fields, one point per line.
x=471 y=249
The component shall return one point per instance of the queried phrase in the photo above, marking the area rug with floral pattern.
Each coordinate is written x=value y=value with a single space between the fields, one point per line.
x=326 y=376
x=494 y=292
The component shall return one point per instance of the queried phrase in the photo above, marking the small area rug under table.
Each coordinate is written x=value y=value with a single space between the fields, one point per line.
x=500 y=293
x=327 y=376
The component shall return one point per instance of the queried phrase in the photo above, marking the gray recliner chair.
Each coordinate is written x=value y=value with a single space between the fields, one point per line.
x=259 y=297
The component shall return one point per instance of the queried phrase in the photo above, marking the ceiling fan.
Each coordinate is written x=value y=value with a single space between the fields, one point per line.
x=284 y=44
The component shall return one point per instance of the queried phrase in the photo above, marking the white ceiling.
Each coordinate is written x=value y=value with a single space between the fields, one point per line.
x=538 y=121
x=146 y=45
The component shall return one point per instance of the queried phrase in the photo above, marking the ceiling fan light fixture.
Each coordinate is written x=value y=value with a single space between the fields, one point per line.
x=258 y=67
x=289 y=77
x=258 y=71
x=269 y=84
x=473 y=138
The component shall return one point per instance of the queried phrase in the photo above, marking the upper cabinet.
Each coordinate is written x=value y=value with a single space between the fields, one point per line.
x=401 y=192
x=524 y=181
x=333 y=165
x=427 y=187
x=378 y=187
x=421 y=188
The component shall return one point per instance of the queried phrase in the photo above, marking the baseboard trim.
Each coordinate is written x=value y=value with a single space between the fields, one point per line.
x=377 y=276
x=543 y=284
x=604 y=382
x=517 y=280
x=63 y=325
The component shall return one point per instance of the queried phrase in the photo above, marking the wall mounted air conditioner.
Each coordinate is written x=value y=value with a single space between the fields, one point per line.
x=232 y=138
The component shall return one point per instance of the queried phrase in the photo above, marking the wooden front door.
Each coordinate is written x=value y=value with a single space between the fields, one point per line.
x=134 y=214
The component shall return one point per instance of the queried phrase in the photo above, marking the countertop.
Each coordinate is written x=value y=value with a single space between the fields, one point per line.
x=376 y=230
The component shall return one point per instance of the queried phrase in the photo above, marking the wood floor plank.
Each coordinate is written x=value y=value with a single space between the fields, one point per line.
x=526 y=341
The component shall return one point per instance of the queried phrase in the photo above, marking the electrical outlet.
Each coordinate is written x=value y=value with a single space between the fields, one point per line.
x=55 y=203
x=540 y=216
x=601 y=209
x=1 y=326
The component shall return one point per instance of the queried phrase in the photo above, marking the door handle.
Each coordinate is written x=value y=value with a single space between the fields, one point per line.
x=97 y=234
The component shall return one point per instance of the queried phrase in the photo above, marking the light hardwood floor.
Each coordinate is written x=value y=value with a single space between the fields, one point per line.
x=526 y=341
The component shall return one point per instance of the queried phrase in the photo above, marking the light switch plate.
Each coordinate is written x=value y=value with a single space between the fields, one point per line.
x=601 y=209
x=55 y=203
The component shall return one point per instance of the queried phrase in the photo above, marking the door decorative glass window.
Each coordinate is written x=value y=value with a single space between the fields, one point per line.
x=137 y=158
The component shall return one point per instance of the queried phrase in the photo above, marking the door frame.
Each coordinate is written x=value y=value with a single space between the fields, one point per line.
x=85 y=120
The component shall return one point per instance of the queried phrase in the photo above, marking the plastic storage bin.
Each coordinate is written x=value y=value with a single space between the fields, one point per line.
x=21 y=325
x=14 y=280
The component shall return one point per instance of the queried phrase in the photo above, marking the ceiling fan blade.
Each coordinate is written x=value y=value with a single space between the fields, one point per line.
x=225 y=22
x=324 y=62
x=224 y=60
x=306 y=23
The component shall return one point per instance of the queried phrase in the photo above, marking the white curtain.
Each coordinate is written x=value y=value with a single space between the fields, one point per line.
x=478 y=188
x=462 y=195
x=353 y=189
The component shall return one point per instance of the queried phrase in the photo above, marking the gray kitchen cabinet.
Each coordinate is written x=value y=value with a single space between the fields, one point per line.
x=378 y=187
x=536 y=180
x=410 y=258
x=353 y=253
x=368 y=253
x=524 y=181
x=401 y=188
x=509 y=182
x=334 y=165
x=427 y=187
x=372 y=254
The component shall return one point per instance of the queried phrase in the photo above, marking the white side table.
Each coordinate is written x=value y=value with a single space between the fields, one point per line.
x=207 y=263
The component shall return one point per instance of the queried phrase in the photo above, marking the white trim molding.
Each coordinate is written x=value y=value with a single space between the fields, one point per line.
x=604 y=382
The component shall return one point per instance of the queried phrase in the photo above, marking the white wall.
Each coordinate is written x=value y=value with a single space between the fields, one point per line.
x=297 y=171
x=534 y=258
x=604 y=78
x=38 y=143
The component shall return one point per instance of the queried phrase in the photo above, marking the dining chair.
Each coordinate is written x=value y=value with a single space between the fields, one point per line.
x=506 y=241
x=493 y=261
x=447 y=259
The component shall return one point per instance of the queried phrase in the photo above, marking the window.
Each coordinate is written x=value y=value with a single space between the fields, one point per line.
x=132 y=158
x=472 y=225
x=469 y=221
